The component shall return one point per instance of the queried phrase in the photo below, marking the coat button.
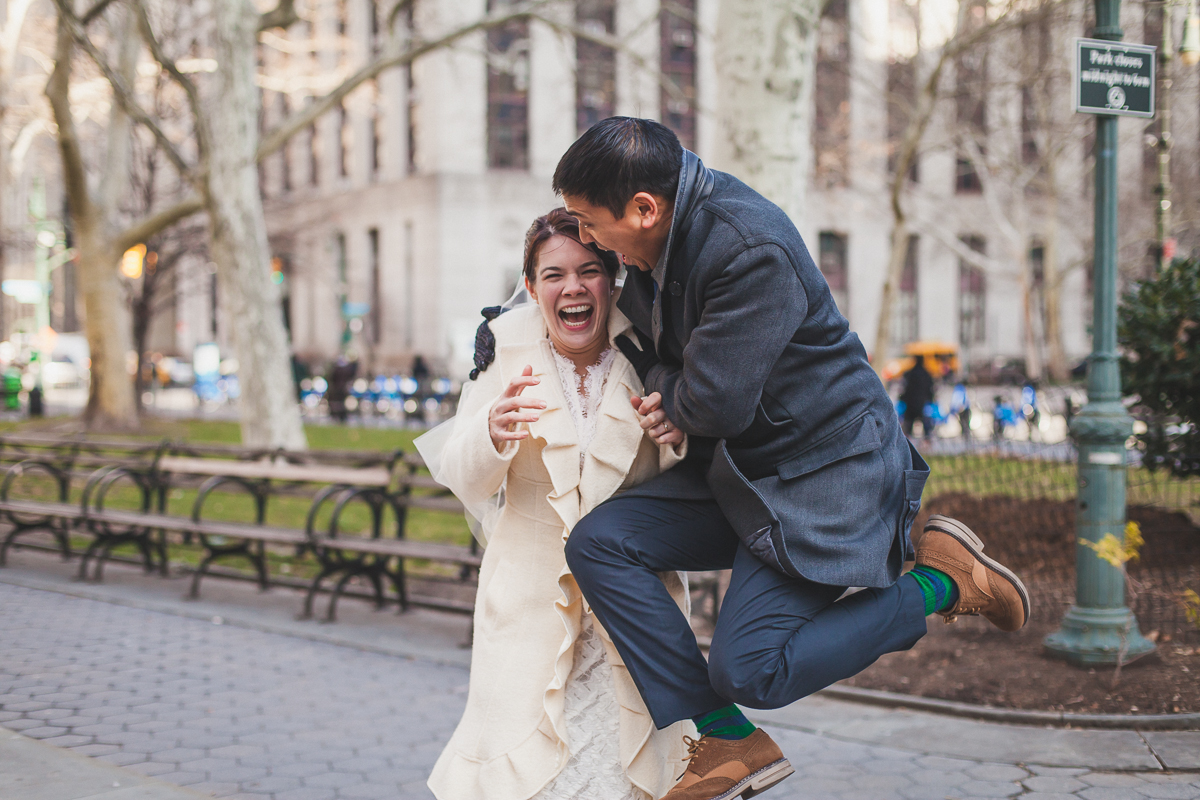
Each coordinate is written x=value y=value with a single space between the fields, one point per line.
x=674 y=288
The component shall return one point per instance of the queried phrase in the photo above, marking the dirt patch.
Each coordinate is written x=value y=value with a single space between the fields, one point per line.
x=970 y=661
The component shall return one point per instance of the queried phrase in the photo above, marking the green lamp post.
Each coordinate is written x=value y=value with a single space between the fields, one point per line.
x=1099 y=628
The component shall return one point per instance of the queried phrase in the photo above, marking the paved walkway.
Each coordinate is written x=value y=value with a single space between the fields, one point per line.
x=233 y=698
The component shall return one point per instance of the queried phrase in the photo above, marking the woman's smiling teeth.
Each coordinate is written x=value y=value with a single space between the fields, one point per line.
x=576 y=317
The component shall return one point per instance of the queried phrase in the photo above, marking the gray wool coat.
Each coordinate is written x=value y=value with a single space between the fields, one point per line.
x=790 y=429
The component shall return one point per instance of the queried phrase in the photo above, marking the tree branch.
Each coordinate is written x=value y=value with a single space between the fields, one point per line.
x=95 y=11
x=184 y=82
x=121 y=92
x=276 y=138
x=58 y=90
x=281 y=16
x=956 y=246
x=987 y=181
x=146 y=227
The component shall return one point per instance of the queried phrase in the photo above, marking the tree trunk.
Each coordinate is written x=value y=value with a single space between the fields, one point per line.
x=111 y=403
x=270 y=414
x=765 y=59
x=1033 y=353
x=891 y=287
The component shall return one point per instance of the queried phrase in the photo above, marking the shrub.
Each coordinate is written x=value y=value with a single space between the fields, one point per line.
x=1159 y=333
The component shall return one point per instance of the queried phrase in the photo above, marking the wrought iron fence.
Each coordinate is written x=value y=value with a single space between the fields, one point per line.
x=1024 y=507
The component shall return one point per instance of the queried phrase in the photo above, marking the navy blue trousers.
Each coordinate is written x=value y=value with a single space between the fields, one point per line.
x=778 y=638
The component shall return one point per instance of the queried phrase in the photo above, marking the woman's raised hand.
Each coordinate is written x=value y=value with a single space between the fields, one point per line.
x=512 y=409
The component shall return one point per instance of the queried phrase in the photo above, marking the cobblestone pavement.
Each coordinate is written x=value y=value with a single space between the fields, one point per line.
x=241 y=713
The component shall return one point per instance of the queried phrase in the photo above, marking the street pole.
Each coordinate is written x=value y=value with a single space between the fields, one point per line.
x=1099 y=628
x=1166 y=54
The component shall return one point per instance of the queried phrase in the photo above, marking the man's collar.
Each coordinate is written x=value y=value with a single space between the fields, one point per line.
x=694 y=187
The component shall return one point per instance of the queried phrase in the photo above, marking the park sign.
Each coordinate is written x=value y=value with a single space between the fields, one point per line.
x=1114 y=78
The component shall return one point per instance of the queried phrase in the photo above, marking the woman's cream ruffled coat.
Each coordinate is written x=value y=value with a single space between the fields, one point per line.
x=511 y=741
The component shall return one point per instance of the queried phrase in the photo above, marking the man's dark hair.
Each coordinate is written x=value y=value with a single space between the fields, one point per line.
x=618 y=157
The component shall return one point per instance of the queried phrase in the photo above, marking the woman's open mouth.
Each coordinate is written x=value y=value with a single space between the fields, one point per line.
x=576 y=317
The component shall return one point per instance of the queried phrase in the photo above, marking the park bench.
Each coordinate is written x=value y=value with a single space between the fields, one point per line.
x=380 y=482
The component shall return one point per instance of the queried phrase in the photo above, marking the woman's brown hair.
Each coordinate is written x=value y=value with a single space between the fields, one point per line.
x=559 y=223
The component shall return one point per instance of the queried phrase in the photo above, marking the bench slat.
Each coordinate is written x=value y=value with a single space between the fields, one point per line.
x=40 y=509
x=279 y=470
x=404 y=548
x=164 y=521
x=449 y=504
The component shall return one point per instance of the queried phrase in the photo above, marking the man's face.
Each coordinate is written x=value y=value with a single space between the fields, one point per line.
x=637 y=237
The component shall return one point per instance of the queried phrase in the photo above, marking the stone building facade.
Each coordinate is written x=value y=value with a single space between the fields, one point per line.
x=395 y=219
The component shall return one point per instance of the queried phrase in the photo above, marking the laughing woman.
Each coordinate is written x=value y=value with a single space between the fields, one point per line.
x=552 y=713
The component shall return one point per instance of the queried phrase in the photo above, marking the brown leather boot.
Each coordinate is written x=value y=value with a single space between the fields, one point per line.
x=985 y=587
x=722 y=769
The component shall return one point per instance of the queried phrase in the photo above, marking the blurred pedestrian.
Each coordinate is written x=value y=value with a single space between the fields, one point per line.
x=341 y=377
x=917 y=394
x=960 y=406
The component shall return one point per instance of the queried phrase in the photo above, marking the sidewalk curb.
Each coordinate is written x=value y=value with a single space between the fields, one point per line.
x=1062 y=719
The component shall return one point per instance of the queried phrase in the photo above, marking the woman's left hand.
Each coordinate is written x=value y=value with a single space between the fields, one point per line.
x=654 y=420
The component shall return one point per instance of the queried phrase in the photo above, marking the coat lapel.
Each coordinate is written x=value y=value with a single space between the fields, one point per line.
x=618 y=435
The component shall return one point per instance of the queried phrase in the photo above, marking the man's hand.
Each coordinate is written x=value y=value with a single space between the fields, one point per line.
x=654 y=420
x=508 y=411
x=642 y=360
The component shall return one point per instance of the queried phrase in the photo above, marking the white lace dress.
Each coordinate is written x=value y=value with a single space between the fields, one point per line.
x=590 y=710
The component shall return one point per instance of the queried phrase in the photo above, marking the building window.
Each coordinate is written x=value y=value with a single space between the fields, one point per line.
x=831 y=133
x=677 y=32
x=314 y=156
x=285 y=160
x=1037 y=79
x=375 y=28
x=213 y=305
x=972 y=297
x=508 y=92
x=834 y=267
x=410 y=94
x=376 y=161
x=1029 y=126
x=905 y=326
x=966 y=178
x=410 y=286
x=376 y=319
x=345 y=140
x=970 y=99
x=595 y=64
x=901 y=99
x=341 y=259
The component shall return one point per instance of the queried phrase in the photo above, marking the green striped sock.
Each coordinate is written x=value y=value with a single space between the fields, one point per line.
x=725 y=723
x=937 y=587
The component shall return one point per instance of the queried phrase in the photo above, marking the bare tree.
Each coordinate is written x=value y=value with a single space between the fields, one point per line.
x=226 y=147
x=971 y=30
x=167 y=254
x=100 y=238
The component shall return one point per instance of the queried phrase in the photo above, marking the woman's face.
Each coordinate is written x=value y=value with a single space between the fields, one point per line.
x=574 y=293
